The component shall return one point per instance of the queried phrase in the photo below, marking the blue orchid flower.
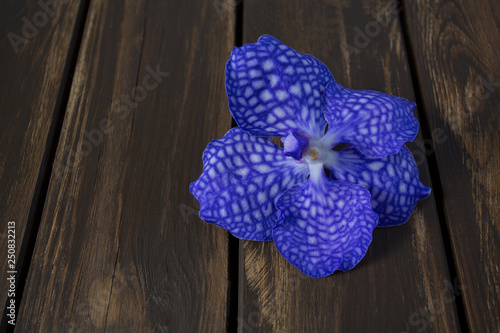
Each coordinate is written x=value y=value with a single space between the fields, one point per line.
x=259 y=191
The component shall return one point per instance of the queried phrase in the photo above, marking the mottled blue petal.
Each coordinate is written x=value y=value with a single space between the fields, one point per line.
x=242 y=176
x=392 y=181
x=273 y=89
x=325 y=225
x=376 y=124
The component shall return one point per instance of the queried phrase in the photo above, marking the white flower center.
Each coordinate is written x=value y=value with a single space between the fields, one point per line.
x=315 y=154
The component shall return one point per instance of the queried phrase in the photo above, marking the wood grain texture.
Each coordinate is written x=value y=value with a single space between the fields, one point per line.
x=120 y=247
x=403 y=283
x=458 y=66
x=34 y=55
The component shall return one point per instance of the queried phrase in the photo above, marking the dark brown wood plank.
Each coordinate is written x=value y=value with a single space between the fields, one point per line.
x=120 y=246
x=403 y=283
x=35 y=53
x=458 y=65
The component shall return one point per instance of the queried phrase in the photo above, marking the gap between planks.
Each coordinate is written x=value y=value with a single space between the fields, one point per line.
x=45 y=172
x=436 y=184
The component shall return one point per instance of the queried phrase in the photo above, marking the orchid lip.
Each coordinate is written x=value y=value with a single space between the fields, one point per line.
x=294 y=145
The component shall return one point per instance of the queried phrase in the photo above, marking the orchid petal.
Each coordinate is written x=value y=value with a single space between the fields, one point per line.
x=392 y=181
x=273 y=89
x=376 y=124
x=325 y=225
x=242 y=177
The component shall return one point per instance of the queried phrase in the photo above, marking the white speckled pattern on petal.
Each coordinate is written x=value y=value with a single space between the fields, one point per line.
x=242 y=176
x=325 y=225
x=273 y=89
x=392 y=181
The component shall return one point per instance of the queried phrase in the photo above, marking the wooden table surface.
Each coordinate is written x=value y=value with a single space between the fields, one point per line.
x=107 y=106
